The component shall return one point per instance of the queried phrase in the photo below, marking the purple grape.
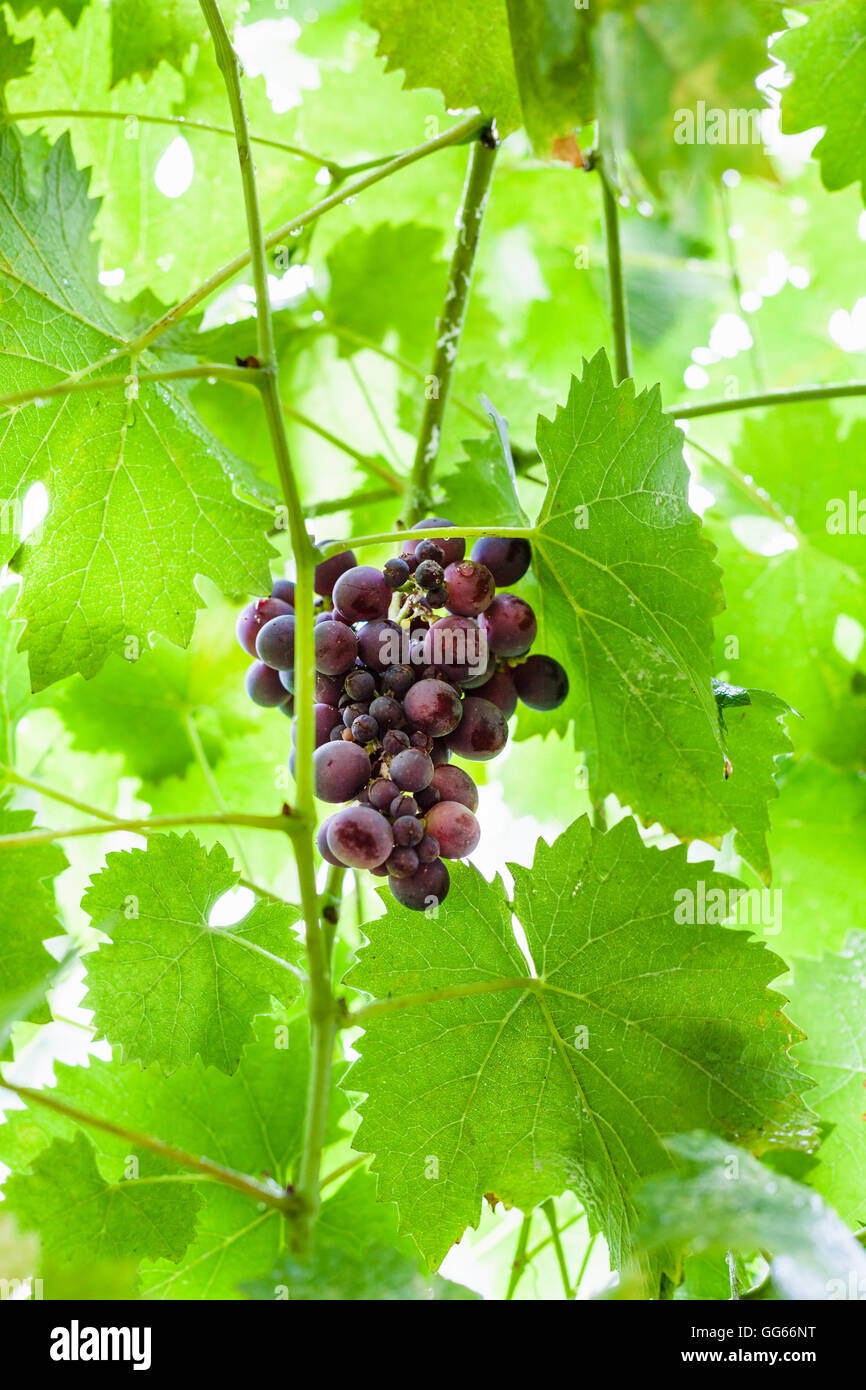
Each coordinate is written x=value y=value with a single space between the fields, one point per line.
x=395 y=741
x=408 y=830
x=328 y=572
x=360 y=685
x=396 y=680
x=264 y=687
x=284 y=589
x=435 y=597
x=335 y=647
x=253 y=617
x=327 y=689
x=322 y=844
x=409 y=560
x=481 y=733
x=353 y=711
x=453 y=784
x=388 y=713
x=340 y=771
x=429 y=550
x=381 y=793
x=433 y=707
x=365 y=729
x=471 y=588
x=323 y=723
x=379 y=643
x=322 y=618
x=288 y=705
x=361 y=594
x=419 y=740
x=453 y=548
x=501 y=691
x=510 y=625
x=426 y=798
x=287 y=680
x=403 y=805
x=411 y=770
x=474 y=682
x=428 y=574
x=456 y=647
x=337 y=732
x=440 y=753
x=455 y=827
x=540 y=682
x=507 y=557
x=402 y=862
x=428 y=850
x=275 y=644
x=427 y=887
x=360 y=837
x=396 y=572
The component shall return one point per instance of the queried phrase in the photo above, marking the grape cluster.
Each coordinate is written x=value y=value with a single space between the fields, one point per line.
x=396 y=696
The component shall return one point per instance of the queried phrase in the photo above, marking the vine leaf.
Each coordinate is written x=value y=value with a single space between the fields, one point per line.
x=144 y=35
x=14 y=681
x=170 y=987
x=85 y=1216
x=357 y=1255
x=827 y=58
x=827 y=1002
x=639 y=1025
x=26 y=967
x=251 y=1121
x=141 y=499
x=722 y=1198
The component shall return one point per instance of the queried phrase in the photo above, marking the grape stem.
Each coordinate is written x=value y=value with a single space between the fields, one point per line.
x=519 y=1263
x=269 y=1193
x=479 y=173
x=320 y=999
x=382 y=538
x=289 y=822
x=791 y=395
x=616 y=283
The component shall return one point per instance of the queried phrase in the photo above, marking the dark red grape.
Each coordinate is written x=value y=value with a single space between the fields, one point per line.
x=396 y=680
x=453 y=784
x=380 y=643
x=455 y=827
x=411 y=770
x=470 y=588
x=365 y=729
x=429 y=550
x=409 y=560
x=284 y=589
x=382 y=793
x=428 y=850
x=337 y=732
x=540 y=682
x=440 y=753
x=419 y=740
x=287 y=680
x=395 y=741
x=456 y=647
x=481 y=733
x=433 y=707
x=340 y=771
x=510 y=625
x=360 y=685
x=501 y=691
x=427 y=887
x=253 y=617
x=507 y=557
x=453 y=548
x=361 y=594
x=426 y=798
x=435 y=597
x=396 y=572
x=327 y=689
x=403 y=805
x=408 y=830
x=275 y=644
x=264 y=687
x=328 y=572
x=322 y=618
x=402 y=862
x=323 y=723
x=353 y=711
x=335 y=647
x=322 y=844
x=388 y=713
x=360 y=837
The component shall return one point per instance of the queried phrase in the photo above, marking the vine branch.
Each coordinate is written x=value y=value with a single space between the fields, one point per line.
x=476 y=190
x=288 y=821
x=790 y=395
x=616 y=283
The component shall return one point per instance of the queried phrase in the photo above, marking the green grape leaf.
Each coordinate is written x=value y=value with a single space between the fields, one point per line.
x=79 y=1215
x=26 y=967
x=14 y=680
x=784 y=609
x=15 y=57
x=390 y=279
x=755 y=738
x=485 y=483
x=71 y=10
x=141 y=500
x=251 y=1122
x=828 y=61
x=357 y=1255
x=636 y=1025
x=827 y=1002
x=722 y=1198
x=170 y=987
x=144 y=35
x=550 y=45
x=464 y=51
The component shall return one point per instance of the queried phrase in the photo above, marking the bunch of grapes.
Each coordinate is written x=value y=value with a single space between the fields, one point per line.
x=396 y=695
